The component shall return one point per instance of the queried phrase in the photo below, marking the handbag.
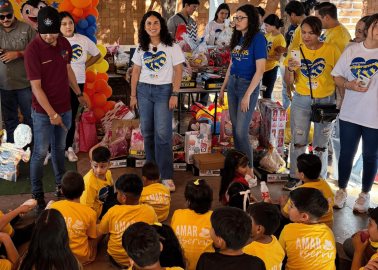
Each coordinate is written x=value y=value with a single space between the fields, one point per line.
x=320 y=112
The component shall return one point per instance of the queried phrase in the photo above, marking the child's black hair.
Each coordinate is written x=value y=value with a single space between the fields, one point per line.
x=150 y=170
x=295 y=7
x=130 y=184
x=266 y=215
x=310 y=201
x=232 y=225
x=235 y=198
x=190 y=2
x=141 y=242
x=199 y=196
x=373 y=214
x=172 y=254
x=310 y=165
x=273 y=19
x=72 y=185
x=234 y=159
x=101 y=154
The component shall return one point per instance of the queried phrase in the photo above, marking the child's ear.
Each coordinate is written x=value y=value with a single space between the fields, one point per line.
x=304 y=217
x=161 y=246
x=260 y=229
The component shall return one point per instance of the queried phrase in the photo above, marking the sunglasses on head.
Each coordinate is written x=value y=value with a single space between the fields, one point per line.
x=8 y=16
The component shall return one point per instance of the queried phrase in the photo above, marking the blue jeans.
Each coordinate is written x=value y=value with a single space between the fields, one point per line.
x=285 y=99
x=45 y=134
x=11 y=100
x=156 y=125
x=350 y=135
x=300 y=126
x=236 y=89
x=268 y=80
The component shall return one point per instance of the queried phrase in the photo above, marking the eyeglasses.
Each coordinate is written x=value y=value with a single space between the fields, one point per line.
x=239 y=19
x=8 y=16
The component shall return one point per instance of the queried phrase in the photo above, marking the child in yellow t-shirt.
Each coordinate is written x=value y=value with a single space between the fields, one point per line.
x=154 y=192
x=265 y=221
x=309 y=167
x=308 y=244
x=80 y=219
x=141 y=241
x=10 y=249
x=192 y=225
x=120 y=217
x=99 y=178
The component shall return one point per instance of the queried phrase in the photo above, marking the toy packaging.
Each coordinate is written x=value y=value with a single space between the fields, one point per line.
x=197 y=142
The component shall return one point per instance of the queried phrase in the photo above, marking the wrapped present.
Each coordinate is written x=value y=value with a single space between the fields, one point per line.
x=137 y=143
x=119 y=112
x=197 y=142
x=87 y=131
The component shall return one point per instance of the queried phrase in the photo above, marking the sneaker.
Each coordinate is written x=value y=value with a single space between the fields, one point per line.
x=46 y=161
x=58 y=191
x=292 y=184
x=169 y=184
x=362 y=203
x=252 y=181
x=70 y=154
x=340 y=199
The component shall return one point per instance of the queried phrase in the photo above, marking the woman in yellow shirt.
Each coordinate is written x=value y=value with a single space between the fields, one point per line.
x=316 y=62
x=276 y=46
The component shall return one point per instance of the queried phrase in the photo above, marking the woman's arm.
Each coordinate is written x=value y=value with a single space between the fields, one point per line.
x=177 y=77
x=92 y=60
x=224 y=85
x=134 y=80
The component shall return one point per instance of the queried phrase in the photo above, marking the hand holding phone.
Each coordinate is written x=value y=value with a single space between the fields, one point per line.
x=363 y=81
x=296 y=56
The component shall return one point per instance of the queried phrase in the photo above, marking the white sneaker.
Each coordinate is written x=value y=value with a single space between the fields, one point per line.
x=340 y=199
x=169 y=184
x=70 y=154
x=362 y=203
x=46 y=161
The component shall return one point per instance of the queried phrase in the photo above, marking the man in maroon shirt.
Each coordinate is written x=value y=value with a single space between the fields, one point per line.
x=47 y=63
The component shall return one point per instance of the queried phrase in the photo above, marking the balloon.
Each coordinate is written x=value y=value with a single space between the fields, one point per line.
x=109 y=105
x=102 y=67
x=77 y=12
x=90 y=31
x=83 y=23
x=98 y=113
x=93 y=38
x=91 y=19
x=100 y=86
x=66 y=6
x=81 y=3
x=95 y=3
x=108 y=91
x=88 y=100
x=94 y=12
x=98 y=100
x=102 y=50
x=102 y=76
x=91 y=68
x=90 y=76
x=89 y=89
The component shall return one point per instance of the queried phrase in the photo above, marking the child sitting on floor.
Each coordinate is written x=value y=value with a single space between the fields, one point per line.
x=99 y=178
x=80 y=219
x=154 y=192
x=141 y=242
x=308 y=244
x=230 y=232
x=12 y=256
x=119 y=217
x=309 y=167
x=192 y=225
x=265 y=221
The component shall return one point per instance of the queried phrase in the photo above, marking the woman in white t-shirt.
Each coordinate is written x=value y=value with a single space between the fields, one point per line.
x=155 y=83
x=357 y=73
x=216 y=26
x=81 y=48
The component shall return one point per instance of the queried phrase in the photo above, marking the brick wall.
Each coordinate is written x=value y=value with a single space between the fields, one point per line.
x=370 y=7
x=349 y=12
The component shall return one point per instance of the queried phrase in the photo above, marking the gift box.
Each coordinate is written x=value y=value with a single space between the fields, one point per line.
x=197 y=142
x=137 y=143
x=119 y=112
x=208 y=161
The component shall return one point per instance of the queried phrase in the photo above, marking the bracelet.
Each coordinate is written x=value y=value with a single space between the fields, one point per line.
x=174 y=94
x=55 y=116
x=80 y=94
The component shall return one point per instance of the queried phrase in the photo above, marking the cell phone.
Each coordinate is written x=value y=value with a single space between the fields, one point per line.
x=296 y=55
x=363 y=81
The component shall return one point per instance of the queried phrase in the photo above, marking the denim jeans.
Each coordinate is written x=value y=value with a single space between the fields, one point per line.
x=236 y=89
x=350 y=135
x=11 y=100
x=45 y=135
x=268 y=80
x=285 y=99
x=300 y=126
x=156 y=125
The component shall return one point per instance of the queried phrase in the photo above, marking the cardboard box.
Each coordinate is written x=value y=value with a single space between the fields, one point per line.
x=197 y=172
x=120 y=163
x=209 y=161
x=277 y=177
x=135 y=163
x=179 y=166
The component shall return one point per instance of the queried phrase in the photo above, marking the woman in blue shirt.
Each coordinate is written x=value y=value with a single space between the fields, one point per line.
x=247 y=66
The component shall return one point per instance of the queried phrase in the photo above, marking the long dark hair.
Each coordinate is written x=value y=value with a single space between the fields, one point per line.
x=65 y=14
x=273 y=19
x=144 y=38
x=234 y=159
x=372 y=20
x=49 y=248
x=253 y=27
x=222 y=6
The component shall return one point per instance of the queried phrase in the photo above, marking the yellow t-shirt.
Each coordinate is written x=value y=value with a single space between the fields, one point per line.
x=338 y=36
x=272 y=43
x=321 y=62
x=8 y=229
x=92 y=187
x=375 y=256
x=296 y=40
x=308 y=246
x=81 y=225
x=5 y=264
x=167 y=268
x=193 y=232
x=272 y=253
x=323 y=186
x=159 y=197
x=117 y=220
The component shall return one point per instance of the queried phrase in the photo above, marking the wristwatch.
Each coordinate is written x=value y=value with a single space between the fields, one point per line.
x=174 y=94
x=80 y=94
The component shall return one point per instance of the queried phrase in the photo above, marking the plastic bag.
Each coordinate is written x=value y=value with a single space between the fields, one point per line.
x=272 y=161
x=224 y=37
x=87 y=131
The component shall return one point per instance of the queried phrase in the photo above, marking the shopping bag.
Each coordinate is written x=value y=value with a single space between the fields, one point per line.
x=87 y=131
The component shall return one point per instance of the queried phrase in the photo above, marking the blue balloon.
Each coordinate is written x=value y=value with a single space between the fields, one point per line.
x=90 y=31
x=91 y=19
x=93 y=38
x=80 y=31
x=83 y=23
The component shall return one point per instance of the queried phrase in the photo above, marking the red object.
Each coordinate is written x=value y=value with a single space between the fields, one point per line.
x=181 y=29
x=87 y=131
x=364 y=235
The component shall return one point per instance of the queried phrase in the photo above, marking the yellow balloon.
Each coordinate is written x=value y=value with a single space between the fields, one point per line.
x=102 y=67
x=92 y=68
x=102 y=50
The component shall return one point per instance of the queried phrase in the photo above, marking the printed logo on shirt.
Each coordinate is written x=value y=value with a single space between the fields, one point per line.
x=269 y=46
x=316 y=67
x=64 y=54
x=359 y=66
x=322 y=37
x=239 y=54
x=310 y=247
x=77 y=52
x=77 y=227
x=154 y=61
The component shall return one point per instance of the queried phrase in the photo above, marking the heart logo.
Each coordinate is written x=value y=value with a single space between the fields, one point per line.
x=77 y=52
x=154 y=61
x=316 y=67
x=359 y=66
